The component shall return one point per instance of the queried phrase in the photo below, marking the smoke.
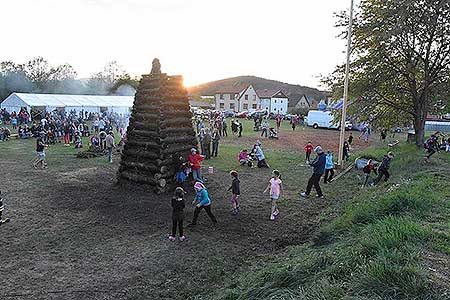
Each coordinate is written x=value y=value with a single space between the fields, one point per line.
x=125 y=90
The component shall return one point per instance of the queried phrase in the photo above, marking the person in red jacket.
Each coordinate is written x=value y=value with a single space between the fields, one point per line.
x=308 y=149
x=195 y=161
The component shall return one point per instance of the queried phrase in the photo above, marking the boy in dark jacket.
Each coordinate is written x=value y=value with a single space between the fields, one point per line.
x=383 y=168
x=178 y=214
x=236 y=191
x=318 y=170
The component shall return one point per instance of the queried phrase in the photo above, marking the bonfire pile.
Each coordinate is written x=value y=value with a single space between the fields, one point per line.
x=159 y=132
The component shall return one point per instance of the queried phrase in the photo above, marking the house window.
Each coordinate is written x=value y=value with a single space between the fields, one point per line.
x=245 y=106
x=281 y=109
x=281 y=101
x=231 y=105
x=231 y=96
x=246 y=97
x=275 y=100
x=221 y=96
x=254 y=97
x=254 y=106
x=222 y=105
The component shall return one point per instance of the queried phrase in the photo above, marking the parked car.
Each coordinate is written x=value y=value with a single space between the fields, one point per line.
x=288 y=117
x=257 y=113
x=242 y=114
x=324 y=119
x=229 y=114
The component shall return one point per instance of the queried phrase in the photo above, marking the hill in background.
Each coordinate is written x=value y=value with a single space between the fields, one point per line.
x=241 y=82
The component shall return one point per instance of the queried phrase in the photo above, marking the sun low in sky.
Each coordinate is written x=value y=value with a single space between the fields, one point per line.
x=288 y=40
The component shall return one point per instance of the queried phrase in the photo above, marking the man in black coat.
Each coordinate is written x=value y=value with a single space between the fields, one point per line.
x=318 y=165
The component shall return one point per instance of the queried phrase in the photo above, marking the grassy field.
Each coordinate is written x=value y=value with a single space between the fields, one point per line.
x=387 y=242
x=76 y=234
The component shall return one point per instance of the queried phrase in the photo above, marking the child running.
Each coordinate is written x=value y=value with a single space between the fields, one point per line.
x=202 y=201
x=178 y=214
x=235 y=192
x=308 y=149
x=275 y=189
x=369 y=168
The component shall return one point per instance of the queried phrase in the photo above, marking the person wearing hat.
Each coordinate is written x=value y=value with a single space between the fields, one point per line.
x=202 y=201
x=195 y=161
x=383 y=168
x=109 y=142
x=318 y=165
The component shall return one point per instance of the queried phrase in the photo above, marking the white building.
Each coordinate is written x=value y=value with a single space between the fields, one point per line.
x=226 y=100
x=248 y=99
x=275 y=102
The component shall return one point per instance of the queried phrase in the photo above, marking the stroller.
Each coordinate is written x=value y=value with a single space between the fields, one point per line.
x=273 y=134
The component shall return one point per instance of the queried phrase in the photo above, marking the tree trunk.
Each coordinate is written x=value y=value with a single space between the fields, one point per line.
x=420 y=110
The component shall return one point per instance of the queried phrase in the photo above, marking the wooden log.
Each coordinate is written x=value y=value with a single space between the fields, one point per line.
x=140 y=166
x=139 y=153
x=178 y=149
x=189 y=139
x=138 y=178
x=144 y=144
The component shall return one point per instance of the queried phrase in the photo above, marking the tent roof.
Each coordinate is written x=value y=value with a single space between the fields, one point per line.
x=56 y=100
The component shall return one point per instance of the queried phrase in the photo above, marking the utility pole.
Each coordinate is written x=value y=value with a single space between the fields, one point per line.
x=344 y=104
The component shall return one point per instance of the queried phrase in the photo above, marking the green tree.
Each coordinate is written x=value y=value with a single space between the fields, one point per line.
x=400 y=69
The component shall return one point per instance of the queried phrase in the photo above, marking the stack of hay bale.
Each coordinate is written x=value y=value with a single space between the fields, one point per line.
x=160 y=130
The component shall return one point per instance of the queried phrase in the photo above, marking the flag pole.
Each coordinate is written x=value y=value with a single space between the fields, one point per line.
x=344 y=103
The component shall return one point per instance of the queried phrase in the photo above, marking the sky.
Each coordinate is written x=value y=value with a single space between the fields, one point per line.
x=293 y=41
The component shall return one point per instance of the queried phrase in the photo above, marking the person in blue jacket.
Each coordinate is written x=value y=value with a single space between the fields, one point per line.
x=329 y=168
x=318 y=170
x=202 y=201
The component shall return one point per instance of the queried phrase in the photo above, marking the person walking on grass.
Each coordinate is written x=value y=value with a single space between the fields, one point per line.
x=202 y=201
x=275 y=189
x=195 y=162
x=240 y=128
x=40 y=150
x=308 y=149
x=350 y=139
x=178 y=206
x=383 y=168
x=235 y=192
x=329 y=168
x=318 y=170
x=431 y=145
x=110 y=145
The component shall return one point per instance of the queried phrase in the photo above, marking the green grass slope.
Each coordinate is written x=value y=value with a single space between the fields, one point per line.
x=386 y=242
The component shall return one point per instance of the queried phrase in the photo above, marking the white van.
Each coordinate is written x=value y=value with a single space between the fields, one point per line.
x=324 y=119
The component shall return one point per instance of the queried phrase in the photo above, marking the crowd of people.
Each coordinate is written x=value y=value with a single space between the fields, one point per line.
x=67 y=128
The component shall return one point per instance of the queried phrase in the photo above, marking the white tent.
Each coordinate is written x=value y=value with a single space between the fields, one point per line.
x=50 y=102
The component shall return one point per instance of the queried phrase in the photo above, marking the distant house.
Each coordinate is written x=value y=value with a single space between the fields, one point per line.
x=201 y=104
x=226 y=100
x=274 y=101
x=300 y=101
x=247 y=99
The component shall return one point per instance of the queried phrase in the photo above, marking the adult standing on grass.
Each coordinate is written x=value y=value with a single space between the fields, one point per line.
x=195 y=161
x=260 y=155
x=278 y=120
x=215 y=142
x=206 y=144
x=240 y=128
x=383 y=168
x=110 y=145
x=318 y=170
x=224 y=128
